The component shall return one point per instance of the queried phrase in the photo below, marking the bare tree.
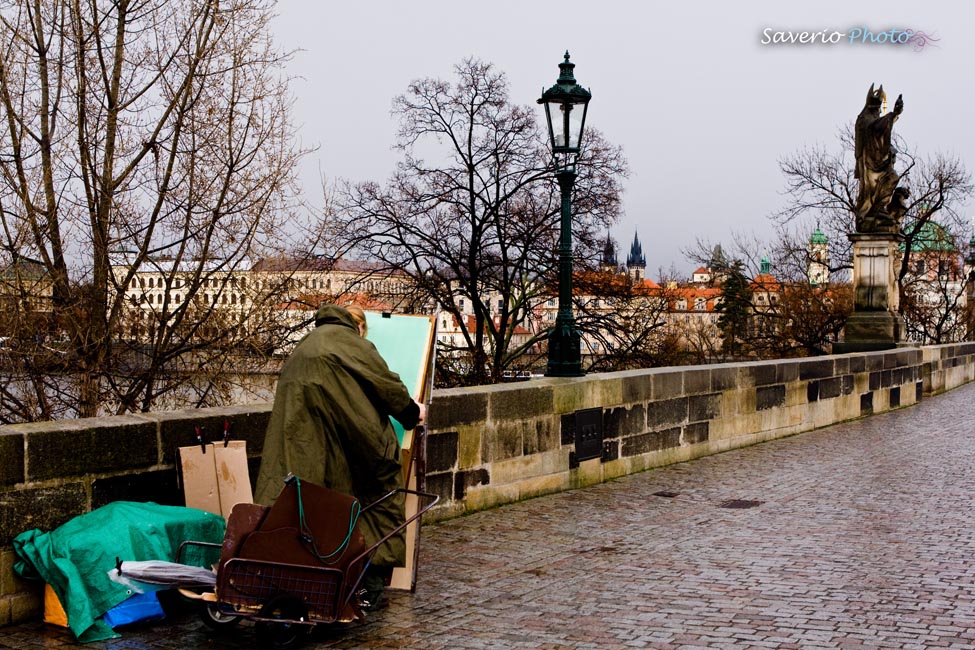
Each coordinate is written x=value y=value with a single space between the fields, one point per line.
x=479 y=222
x=143 y=134
x=933 y=291
x=784 y=315
x=624 y=322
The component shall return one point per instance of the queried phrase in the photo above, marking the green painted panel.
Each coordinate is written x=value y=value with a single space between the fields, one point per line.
x=404 y=342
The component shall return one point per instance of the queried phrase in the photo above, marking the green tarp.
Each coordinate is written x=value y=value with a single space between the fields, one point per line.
x=76 y=557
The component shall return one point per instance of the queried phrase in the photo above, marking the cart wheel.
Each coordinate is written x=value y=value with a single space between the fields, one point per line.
x=284 y=635
x=215 y=619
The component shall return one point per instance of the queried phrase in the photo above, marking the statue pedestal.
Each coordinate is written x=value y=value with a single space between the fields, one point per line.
x=874 y=323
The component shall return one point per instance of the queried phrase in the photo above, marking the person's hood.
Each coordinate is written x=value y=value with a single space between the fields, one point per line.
x=334 y=315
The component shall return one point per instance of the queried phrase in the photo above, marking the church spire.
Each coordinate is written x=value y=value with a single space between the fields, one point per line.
x=609 y=264
x=636 y=263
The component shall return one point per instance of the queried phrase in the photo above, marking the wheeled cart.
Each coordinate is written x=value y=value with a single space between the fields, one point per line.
x=296 y=564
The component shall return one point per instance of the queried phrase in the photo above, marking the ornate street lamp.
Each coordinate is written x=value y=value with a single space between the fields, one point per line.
x=565 y=110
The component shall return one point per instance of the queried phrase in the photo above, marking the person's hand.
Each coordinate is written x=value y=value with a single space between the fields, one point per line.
x=423 y=412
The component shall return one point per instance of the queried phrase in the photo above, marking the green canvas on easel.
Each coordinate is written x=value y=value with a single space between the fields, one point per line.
x=404 y=341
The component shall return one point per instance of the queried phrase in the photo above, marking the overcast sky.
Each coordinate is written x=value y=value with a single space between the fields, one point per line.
x=702 y=108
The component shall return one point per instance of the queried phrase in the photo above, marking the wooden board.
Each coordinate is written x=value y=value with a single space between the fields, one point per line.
x=408 y=344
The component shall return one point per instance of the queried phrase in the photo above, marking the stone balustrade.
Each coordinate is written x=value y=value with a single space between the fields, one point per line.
x=487 y=445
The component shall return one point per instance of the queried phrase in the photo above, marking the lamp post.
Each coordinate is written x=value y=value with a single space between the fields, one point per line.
x=565 y=111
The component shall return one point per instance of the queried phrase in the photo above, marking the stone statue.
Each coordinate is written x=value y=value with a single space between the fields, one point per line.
x=880 y=203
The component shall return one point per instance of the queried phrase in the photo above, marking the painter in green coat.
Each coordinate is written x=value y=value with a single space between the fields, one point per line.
x=330 y=425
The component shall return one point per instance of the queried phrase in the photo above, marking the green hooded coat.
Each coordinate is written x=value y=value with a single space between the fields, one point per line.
x=330 y=425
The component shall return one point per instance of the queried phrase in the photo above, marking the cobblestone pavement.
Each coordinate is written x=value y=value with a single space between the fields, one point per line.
x=863 y=539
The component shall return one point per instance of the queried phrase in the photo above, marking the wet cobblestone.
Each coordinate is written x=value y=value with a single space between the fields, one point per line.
x=863 y=539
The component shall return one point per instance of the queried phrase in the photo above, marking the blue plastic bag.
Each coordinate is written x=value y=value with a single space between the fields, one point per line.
x=138 y=608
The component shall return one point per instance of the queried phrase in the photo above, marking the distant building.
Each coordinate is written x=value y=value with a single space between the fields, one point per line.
x=818 y=265
x=26 y=286
x=281 y=288
x=702 y=275
x=934 y=295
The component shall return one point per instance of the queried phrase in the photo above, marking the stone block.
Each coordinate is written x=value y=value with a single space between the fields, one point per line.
x=668 y=385
x=450 y=408
x=830 y=388
x=490 y=496
x=899 y=359
x=841 y=365
x=505 y=472
x=622 y=421
x=723 y=378
x=442 y=485
x=761 y=374
x=786 y=372
x=567 y=428
x=589 y=472
x=637 y=389
x=608 y=390
x=767 y=397
x=866 y=403
x=697 y=381
x=569 y=395
x=469 y=446
x=858 y=363
x=541 y=485
x=703 y=407
x=875 y=380
x=89 y=446
x=26 y=606
x=504 y=440
x=795 y=394
x=847 y=382
x=45 y=508
x=894 y=398
x=540 y=438
x=648 y=442
x=10 y=582
x=11 y=457
x=666 y=413
x=696 y=433
x=442 y=451
x=465 y=480
x=812 y=391
x=874 y=361
x=611 y=451
x=158 y=486
x=520 y=403
x=816 y=369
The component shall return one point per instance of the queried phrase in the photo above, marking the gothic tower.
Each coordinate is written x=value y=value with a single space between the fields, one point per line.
x=609 y=264
x=636 y=263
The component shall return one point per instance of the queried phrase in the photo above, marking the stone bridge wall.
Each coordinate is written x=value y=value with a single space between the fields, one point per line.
x=487 y=445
